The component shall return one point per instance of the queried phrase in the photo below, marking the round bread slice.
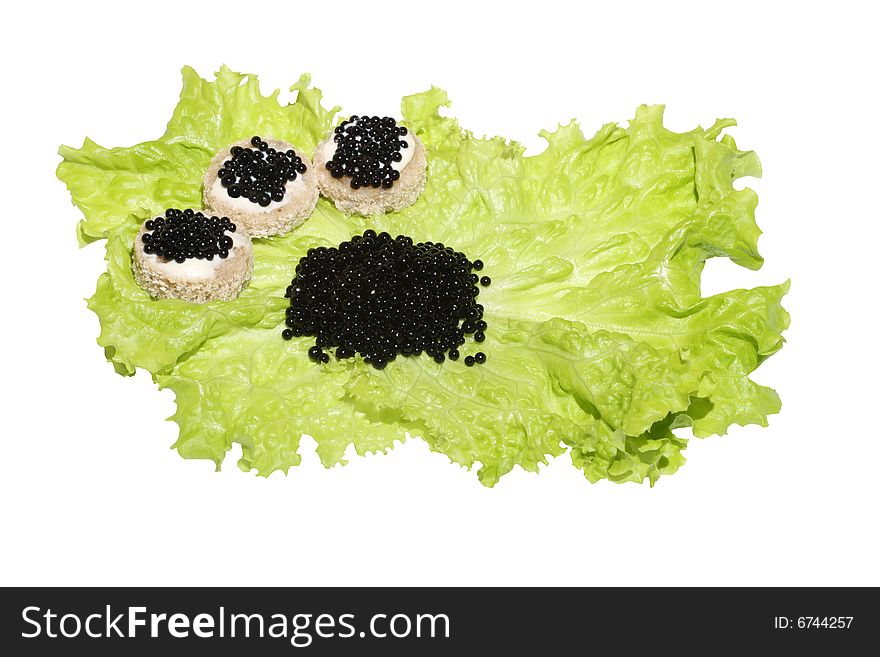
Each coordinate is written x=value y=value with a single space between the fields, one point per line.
x=198 y=281
x=370 y=200
x=300 y=197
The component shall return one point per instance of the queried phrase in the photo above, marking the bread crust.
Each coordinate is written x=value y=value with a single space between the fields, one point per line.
x=276 y=221
x=370 y=200
x=230 y=276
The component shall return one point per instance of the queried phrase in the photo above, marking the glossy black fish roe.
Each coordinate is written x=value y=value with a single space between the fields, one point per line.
x=366 y=149
x=259 y=174
x=381 y=297
x=184 y=234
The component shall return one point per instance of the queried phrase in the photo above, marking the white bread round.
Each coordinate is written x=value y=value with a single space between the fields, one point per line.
x=300 y=200
x=370 y=200
x=223 y=280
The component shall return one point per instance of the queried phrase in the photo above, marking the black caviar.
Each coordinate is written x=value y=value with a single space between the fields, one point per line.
x=366 y=148
x=259 y=174
x=183 y=234
x=381 y=297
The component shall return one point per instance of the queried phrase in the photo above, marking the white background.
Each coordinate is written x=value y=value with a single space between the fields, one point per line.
x=90 y=492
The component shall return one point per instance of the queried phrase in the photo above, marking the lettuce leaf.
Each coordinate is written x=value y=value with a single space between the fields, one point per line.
x=599 y=342
x=257 y=391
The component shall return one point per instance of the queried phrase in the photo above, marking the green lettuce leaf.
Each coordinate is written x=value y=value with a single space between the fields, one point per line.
x=542 y=385
x=600 y=342
x=257 y=391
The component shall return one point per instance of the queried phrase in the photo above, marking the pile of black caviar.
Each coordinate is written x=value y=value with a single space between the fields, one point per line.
x=183 y=234
x=366 y=147
x=381 y=297
x=259 y=174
